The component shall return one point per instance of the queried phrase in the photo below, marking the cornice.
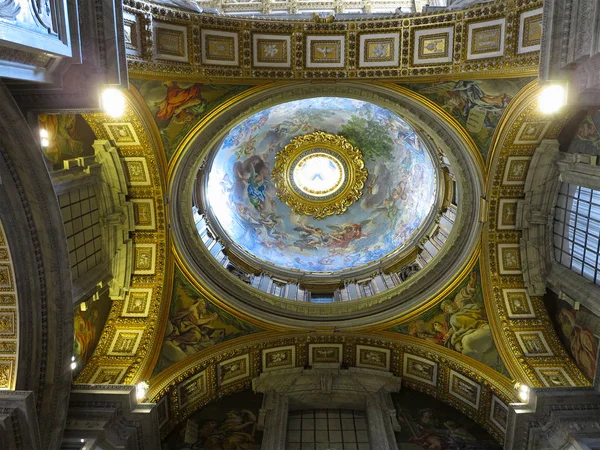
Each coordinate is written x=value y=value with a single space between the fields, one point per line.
x=410 y=55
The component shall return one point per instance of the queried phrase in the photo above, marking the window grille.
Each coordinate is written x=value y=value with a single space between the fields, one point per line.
x=335 y=429
x=577 y=230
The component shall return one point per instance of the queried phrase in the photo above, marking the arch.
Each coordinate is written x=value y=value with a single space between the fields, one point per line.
x=195 y=382
x=525 y=338
x=34 y=231
x=127 y=350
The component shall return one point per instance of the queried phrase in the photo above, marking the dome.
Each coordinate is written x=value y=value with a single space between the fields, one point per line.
x=389 y=173
x=325 y=203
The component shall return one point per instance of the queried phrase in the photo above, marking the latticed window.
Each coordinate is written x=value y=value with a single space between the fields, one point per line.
x=577 y=230
x=327 y=429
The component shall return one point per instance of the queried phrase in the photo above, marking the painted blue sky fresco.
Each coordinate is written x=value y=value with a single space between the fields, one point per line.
x=397 y=197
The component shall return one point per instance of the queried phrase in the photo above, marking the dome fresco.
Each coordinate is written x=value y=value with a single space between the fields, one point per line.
x=397 y=197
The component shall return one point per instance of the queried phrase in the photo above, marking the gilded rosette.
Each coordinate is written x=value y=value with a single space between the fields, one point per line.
x=319 y=174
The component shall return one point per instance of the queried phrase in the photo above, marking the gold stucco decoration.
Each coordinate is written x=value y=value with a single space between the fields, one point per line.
x=319 y=174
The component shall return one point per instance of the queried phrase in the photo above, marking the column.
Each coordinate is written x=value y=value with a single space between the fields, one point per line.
x=381 y=432
x=273 y=419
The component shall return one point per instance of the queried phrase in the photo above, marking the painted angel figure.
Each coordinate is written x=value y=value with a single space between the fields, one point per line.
x=346 y=234
x=310 y=237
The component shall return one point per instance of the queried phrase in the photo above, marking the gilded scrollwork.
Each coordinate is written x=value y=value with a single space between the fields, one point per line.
x=335 y=149
x=404 y=37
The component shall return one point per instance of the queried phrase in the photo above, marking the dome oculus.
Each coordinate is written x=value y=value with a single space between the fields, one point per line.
x=318 y=174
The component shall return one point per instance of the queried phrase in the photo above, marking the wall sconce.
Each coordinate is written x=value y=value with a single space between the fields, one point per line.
x=552 y=98
x=113 y=102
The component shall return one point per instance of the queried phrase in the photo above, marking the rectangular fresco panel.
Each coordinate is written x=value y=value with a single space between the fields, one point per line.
x=325 y=353
x=279 y=358
x=372 y=357
x=486 y=39
x=419 y=369
x=433 y=45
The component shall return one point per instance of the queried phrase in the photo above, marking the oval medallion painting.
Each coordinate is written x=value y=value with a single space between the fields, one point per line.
x=383 y=162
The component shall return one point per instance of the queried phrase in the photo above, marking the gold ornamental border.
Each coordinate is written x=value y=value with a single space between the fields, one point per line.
x=356 y=174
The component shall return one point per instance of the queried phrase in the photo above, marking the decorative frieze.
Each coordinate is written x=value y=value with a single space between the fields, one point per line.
x=437 y=45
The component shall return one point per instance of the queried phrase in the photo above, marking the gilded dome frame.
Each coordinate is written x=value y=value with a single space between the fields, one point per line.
x=351 y=189
x=193 y=159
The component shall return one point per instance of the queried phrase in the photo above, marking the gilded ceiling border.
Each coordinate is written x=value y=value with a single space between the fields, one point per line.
x=421 y=47
x=198 y=380
x=9 y=317
x=138 y=357
x=530 y=348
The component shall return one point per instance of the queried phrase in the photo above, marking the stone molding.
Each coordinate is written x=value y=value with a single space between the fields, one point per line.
x=110 y=416
x=19 y=428
x=117 y=218
x=555 y=418
x=64 y=68
x=105 y=173
x=570 y=47
x=33 y=226
x=535 y=217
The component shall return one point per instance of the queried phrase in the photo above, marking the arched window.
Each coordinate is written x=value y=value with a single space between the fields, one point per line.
x=577 y=230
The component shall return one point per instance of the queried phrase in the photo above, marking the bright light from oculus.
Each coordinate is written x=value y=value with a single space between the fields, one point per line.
x=113 y=102
x=43 y=133
x=45 y=142
x=140 y=390
x=318 y=174
x=552 y=98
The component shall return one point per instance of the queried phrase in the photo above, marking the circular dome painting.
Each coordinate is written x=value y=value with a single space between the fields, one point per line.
x=396 y=198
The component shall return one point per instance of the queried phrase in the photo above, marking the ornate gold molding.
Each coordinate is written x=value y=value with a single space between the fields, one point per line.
x=9 y=317
x=196 y=381
x=342 y=154
x=144 y=153
x=519 y=133
x=419 y=47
